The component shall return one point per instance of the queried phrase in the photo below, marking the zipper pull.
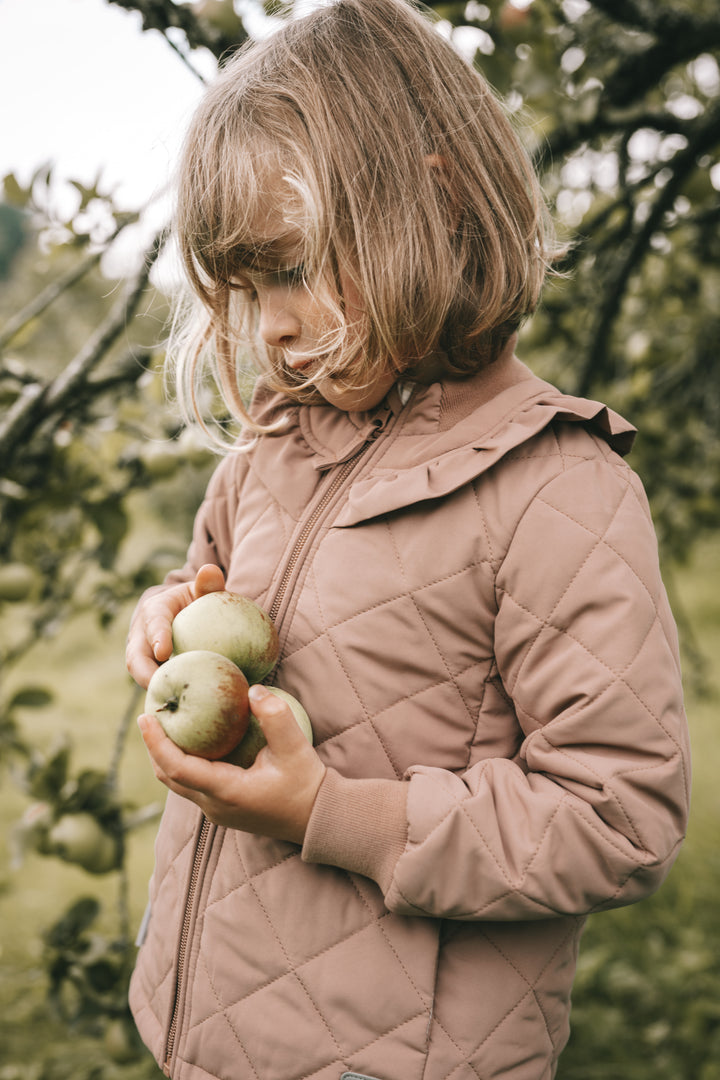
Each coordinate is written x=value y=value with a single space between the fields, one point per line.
x=378 y=425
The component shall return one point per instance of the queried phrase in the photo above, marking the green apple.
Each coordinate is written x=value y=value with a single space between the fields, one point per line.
x=80 y=838
x=17 y=581
x=232 y=625
x=253 y=740
x=201 y=701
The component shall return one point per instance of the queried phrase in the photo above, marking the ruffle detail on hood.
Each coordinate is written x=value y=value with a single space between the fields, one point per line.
x=617 y=432
x=387 y=490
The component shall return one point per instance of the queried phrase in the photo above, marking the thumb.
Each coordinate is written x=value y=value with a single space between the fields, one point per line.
x=276 y=719
x=209 y=578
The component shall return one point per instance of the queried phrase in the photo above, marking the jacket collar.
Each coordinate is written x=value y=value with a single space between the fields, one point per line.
x=502 y=402
x=445 y=435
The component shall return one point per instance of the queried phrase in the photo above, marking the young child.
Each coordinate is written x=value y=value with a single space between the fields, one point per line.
x=462 y=570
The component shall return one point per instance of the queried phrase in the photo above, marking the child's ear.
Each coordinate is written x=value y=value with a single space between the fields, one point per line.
x=440 y=168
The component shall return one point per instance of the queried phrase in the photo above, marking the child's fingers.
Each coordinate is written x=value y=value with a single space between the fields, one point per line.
x=159 y=635
x=140 y=663
x=149 y=643
x=150 y=640
x=209 y=578
x=162 y=609
x=183 y=773
x=275 y=717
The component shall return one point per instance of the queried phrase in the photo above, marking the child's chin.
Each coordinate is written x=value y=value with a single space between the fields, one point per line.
x=350 y=399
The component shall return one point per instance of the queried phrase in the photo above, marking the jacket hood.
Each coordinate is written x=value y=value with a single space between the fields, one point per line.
x=446 y=434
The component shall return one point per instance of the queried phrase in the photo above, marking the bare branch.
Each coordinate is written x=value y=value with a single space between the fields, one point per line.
x=707 y=134
x=44 y=299
x=638 y=74
x=37 y=403
x=680 y=35
x=564 y=140
x=15 y=421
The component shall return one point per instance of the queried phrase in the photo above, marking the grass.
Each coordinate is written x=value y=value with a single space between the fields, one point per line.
x=638 y=958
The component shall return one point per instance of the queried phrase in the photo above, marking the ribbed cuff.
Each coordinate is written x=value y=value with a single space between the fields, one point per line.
x=359 y=825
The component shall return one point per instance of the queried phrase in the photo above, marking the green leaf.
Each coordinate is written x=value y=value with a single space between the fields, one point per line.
x=13 y=192
x=76 y=920
x=31 y=697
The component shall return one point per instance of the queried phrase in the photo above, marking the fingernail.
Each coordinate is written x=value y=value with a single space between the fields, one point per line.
x=258 y=692
x=142 y=723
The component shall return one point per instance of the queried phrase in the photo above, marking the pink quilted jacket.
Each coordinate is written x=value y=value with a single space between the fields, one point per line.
x=468 y=598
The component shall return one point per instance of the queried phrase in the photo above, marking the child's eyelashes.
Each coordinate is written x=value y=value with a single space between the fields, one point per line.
x=291 y=277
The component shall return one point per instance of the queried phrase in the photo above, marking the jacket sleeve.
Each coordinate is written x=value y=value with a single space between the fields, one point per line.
x=591 y=811
x=212 y=535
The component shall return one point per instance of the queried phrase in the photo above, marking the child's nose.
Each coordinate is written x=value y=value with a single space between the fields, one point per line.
x=279 y=326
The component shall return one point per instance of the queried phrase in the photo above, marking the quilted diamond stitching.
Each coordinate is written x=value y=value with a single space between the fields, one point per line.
x=403 y=595
x=282 y=859
x=380 y=924
x=408 y=698
x=531 y=991
x=479 y=911
x=328 y=627
x=451 y=678
x=629 y=492
x=293 y=972
x=570 y=581
x=617 y=676
x=222 y=1005
x=358 y=697
x=411 y=595
x=224 y=1008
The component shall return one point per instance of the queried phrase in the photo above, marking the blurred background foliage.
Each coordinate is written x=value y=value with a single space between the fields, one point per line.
x=619 y=103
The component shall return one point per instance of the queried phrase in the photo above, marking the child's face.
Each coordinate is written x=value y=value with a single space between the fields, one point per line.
x=299 y=323
x=295 y=322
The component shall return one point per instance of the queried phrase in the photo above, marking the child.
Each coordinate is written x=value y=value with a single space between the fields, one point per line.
x=463 y=574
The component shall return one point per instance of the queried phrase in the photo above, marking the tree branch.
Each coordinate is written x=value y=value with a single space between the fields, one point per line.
x=565 y=139
x=164 y=15
x=707 y=134
x=680 y=35
x=36 y=403
x=637 y=74
x=44 y=299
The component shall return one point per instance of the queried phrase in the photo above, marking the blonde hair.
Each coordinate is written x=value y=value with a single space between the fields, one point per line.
x=393 y=166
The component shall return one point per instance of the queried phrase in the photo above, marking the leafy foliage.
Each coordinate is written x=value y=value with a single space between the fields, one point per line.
x=646 y=1000
x=622 y=106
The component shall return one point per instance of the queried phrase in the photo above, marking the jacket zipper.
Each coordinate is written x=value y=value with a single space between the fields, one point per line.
x=291 y=567
x=318 y=511
x=184 y=936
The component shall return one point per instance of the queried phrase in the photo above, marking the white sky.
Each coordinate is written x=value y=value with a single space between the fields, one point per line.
x=81 y=85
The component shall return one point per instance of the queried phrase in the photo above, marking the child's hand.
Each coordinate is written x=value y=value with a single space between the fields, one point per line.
x=149 y=640
x=273 y=798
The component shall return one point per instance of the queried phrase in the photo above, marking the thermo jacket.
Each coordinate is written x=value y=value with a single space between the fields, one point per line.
x=467 y=593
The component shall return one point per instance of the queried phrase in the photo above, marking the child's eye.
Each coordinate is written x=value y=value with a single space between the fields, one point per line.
x=292 y=276
x=245 y=287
